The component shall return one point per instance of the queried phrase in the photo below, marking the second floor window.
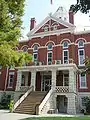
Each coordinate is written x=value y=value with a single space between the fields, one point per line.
x=65 y=56
x=80 y=44
x=49 y=58
x=81 y=56
x=65 y=44
x=35 y=53
x=50 y=46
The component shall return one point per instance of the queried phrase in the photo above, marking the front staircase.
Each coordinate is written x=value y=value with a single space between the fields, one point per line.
x=29 y=105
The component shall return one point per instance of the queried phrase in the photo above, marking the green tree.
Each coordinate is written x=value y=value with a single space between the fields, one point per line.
x=11 y=12
x=82 y=5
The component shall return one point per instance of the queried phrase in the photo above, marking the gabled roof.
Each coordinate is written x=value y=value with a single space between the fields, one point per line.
x=50 y=17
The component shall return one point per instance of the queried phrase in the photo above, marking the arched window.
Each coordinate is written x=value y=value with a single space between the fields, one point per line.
x=50 y=46
x=35 y=54
x=35 y=48
x=25 y=49
x=65 y=44
x=80 y=43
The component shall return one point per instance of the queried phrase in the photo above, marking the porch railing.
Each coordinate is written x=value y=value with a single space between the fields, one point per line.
x=62 y=89
x=24 y=88
x=22 y=98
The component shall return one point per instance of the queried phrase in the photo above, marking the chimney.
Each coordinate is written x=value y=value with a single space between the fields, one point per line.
x=32 y=23
x=71 y=17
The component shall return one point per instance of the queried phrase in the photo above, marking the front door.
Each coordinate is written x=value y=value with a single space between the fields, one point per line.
x=46 y=83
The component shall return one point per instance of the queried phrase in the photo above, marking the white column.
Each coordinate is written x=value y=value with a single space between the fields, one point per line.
x=19 y=78
x=72 y=81
x=53 y=79
x=53 y=87
x=33 y=79
x=71 y=107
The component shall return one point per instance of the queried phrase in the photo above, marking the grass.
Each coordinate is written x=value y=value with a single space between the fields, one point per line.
x=58 y=118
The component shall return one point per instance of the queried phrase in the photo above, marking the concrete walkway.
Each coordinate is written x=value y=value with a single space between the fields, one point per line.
x=5 y=115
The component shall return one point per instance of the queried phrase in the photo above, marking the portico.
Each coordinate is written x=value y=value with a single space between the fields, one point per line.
x=60 y=78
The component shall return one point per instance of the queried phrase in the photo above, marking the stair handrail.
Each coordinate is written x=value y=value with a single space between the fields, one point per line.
x=45 y=100
x=22 y=98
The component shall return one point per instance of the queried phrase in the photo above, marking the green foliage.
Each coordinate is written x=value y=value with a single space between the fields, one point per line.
x=82 y=5
x=11 y=12
x=5 y=100
x=11 y=104
x=87 y=105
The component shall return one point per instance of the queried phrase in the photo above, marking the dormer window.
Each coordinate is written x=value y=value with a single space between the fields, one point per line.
x=80 y=44
x=50 y=46
x=45 y=29
x=65 y=44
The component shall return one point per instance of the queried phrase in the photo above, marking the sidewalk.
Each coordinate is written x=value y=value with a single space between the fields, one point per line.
x=5 y=115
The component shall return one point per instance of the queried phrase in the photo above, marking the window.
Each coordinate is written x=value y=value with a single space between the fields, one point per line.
x=35 y=53
x=35 y=56
x=35 y=48
x=25 y=49
x=65 y=44
x=65 y=56
x=50 y=58
x=66 y=80
x=81 y=56
x=55 y=27
x=80 y=43
x=83 y=80
x=11 y=79
x=50 y=46
x=83 y=101
x=45 y=29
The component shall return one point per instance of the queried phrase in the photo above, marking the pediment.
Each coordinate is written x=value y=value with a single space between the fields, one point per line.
x=50 y=24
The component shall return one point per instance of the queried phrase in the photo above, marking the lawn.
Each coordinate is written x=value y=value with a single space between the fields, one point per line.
x=58 y=118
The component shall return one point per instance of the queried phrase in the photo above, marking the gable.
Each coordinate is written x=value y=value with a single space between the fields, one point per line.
x=51 y=24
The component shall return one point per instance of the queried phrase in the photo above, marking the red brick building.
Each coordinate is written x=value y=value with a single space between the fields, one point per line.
x=58 y=54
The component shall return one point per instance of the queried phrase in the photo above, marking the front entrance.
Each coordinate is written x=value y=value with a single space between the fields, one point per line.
x=46 y=82
x=62 y=103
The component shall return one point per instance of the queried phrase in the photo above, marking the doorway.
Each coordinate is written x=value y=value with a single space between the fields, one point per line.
x=62 y=103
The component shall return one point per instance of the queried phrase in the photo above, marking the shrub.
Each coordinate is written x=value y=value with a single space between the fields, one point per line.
x=5 y=100
x=10 y=105
x=87 y=104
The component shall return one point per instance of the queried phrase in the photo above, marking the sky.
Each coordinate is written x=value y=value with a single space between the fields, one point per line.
x=41 y=8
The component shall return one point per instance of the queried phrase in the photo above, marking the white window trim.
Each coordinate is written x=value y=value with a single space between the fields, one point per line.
x=63 y=57
x=79 y=57
x=47 y=56
x=11 y=73
x=80 y=82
